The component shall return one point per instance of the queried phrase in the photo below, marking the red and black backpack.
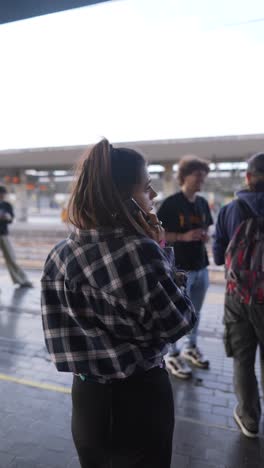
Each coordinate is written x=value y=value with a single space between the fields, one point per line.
x=244 y=258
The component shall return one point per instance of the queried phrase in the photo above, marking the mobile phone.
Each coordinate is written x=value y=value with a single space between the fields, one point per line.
x=134 y=208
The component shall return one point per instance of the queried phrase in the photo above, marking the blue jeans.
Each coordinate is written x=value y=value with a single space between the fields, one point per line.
x=197 y=285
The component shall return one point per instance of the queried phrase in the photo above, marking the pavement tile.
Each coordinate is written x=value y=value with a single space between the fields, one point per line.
x=53 y=458
x=196 y=463
x=192 y=451
x=196 y=406
x=220 y=386
x=220 y=410
x=5 y=459
x=20 y=462
x=185 y=430
x=181 y=461
x=24 y=450
x=73 y=463
x=211 y=400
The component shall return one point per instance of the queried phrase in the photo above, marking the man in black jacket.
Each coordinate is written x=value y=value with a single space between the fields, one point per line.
x=6 y=217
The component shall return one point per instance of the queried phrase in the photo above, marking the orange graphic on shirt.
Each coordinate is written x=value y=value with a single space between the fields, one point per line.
x=193 y=219
x=181 y=220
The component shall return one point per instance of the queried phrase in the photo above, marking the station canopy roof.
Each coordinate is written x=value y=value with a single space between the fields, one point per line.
x=14 y=10
x=214 y=149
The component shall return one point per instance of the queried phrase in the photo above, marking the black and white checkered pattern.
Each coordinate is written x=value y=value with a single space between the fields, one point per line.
x=110 y=304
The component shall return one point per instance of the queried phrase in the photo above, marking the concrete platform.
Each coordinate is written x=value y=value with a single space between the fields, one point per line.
x=36 y=403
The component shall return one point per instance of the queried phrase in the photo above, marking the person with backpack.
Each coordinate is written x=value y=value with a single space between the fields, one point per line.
x=239 y=244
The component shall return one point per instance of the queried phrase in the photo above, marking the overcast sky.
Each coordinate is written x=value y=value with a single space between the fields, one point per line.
x=133 y=70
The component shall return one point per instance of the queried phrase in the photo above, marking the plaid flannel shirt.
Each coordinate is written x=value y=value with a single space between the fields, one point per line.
x=110 y=304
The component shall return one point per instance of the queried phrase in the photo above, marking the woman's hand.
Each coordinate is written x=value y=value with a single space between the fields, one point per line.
x=192 y=235
x=205 y=236
x=152 y=227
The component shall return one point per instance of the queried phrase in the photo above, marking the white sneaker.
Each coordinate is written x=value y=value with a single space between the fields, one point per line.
x=244 y=430
x=196 y=357
x=178 y=367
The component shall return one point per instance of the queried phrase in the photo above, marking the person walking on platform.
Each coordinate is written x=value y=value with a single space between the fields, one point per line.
x=186 y=218
x=110 y=305
x=239 y=244
x=6 y=217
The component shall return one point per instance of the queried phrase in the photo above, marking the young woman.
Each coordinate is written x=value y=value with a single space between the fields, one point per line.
x=110 y=305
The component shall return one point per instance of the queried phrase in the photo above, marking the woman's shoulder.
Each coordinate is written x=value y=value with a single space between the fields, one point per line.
x=145 y=243
x=151 y=253
x=55 y=264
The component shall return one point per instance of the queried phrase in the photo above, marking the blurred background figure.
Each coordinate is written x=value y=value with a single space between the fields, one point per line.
x=186 y=218
x=64 y=214
x=6 y=217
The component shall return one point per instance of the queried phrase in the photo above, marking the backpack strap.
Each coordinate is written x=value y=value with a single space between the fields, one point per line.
x=244 y=210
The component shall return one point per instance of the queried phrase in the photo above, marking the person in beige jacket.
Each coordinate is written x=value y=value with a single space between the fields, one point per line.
x=6 y=217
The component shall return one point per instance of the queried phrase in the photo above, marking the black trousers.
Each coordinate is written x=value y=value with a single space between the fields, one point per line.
x=125 y=424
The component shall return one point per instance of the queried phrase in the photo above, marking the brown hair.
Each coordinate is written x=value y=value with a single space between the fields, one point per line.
x=189 y=164
x=256 y=170
x=105 y=178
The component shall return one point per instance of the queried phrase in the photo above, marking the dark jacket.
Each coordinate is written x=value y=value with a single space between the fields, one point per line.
x=5 y=208
x=229 y=218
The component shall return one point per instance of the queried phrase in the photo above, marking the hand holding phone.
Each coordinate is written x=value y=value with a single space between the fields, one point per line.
x=134 y=209
x=148 y=221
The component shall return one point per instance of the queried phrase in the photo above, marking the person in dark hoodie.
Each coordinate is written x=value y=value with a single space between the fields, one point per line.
x=243 y=319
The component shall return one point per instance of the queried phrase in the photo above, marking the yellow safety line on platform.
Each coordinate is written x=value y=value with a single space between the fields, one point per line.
x=32 y=383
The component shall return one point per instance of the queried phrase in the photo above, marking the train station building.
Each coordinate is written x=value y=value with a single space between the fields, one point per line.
x=39 y=179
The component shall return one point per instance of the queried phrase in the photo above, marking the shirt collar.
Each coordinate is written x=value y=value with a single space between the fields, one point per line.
x=97 y=235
